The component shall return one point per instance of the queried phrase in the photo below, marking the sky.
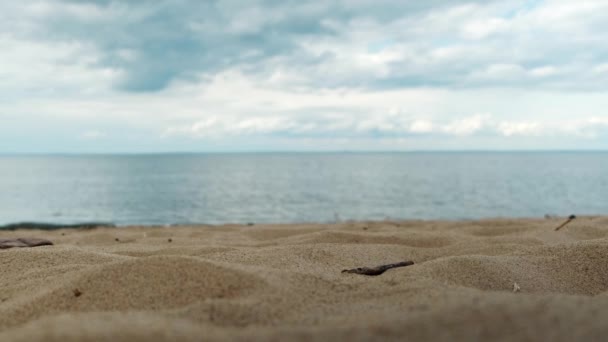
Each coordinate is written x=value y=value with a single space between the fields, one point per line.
x=130 y=76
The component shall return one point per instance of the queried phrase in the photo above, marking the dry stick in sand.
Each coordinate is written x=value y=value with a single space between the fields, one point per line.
x=378 y=270
x=572 y=217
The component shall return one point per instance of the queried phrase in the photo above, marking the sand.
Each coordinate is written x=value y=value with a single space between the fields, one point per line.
x=284 y=282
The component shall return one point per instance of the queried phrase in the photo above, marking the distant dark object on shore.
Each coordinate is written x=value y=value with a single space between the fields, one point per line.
x=52 y=226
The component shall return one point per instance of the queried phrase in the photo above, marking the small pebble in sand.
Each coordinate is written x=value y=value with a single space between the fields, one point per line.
x=77 y=293
x=516 y=287
x=117 y=239
x=170 y=240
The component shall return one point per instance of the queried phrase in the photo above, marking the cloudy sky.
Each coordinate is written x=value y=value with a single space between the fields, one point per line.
x=255 y=75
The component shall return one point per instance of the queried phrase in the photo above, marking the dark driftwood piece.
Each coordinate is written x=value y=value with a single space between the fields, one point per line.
x=23 y=242
x=378 y=270
x=51 y=226
x=570 y=219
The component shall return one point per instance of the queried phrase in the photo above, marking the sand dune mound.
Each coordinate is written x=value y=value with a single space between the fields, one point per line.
x=572 y=269
x=139 y=284
x=158 y=283
x=588 y=232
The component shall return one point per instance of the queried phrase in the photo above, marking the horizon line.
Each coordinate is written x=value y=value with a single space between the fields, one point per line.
x=134 y=153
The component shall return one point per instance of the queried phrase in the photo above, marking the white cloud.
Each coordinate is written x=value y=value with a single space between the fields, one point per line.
x=218 y=127
x=482 y=28
x=544 y=71
x=520 y=128
x=467 y=125
x=601 y=69
x=389 y=126
x=421 y=126
x=45 y=69
x=93 y=135
x=499 y=72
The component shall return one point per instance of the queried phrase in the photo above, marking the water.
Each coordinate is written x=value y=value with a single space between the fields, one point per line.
x=300 y=187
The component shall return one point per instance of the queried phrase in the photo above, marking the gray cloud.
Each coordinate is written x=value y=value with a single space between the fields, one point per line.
x=553 y=44
x=156 y=42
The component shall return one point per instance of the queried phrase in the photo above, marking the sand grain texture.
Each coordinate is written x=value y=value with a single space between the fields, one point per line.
x=279 y=282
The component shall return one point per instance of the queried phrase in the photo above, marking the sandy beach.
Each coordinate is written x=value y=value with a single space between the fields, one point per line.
x=497 y=279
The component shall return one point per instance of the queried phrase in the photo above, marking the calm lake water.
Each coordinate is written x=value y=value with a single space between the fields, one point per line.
x=300 y=187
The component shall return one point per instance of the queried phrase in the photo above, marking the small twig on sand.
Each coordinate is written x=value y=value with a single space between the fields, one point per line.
x=378 y=270
x=570 y=219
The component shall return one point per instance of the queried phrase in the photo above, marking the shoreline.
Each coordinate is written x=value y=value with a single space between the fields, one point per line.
x=49 y=225
x=489 y=279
